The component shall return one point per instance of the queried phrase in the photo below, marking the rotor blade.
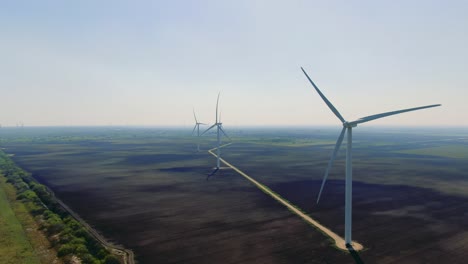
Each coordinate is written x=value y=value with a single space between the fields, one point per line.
x=222 y=130
x=208 y=129
x=377 y=116
x=195 y=127
x=217 y=101
x=324 y=98
x=202 y=124
x=330 y=163
x=196 y=121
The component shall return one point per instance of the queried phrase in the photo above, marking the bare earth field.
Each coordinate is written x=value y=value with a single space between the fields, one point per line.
x=147 y=189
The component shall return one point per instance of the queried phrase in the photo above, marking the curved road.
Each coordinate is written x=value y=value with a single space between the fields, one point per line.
x=340 y=243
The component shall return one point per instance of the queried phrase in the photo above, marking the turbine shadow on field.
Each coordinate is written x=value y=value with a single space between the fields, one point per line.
x=212 y=173
x=355 y=255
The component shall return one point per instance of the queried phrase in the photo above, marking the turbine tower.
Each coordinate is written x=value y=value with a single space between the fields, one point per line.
x=197 y=127
x=348 y=127
x=219 y=128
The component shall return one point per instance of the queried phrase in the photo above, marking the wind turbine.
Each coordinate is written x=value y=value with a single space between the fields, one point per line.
x=348 y=126
x=197 y=127
x=219 y=128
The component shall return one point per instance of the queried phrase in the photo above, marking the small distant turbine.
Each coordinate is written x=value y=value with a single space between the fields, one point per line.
x=197 y=127
x=219 y=127
x=348 y=126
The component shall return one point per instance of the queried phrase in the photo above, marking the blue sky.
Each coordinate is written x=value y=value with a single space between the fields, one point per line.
x=150 y=62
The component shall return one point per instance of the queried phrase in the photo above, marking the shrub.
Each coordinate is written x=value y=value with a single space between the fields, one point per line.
x=111 y=259
x=28 y=195
x=65 y=249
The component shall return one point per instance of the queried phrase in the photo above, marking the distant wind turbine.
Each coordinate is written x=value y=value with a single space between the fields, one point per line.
x=348 y=126
x=219 y=128
x=197 y=127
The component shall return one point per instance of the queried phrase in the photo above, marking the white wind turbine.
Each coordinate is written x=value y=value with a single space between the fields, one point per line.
x=197 y=127
x=348 y=126
x=219 y=128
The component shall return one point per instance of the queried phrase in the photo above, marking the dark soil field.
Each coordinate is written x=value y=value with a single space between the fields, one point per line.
x=407 y=208
x=147 y=189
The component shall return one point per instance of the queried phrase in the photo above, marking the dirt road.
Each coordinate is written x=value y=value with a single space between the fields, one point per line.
x=338 y=240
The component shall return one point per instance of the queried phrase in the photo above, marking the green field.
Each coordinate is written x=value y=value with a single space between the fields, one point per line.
x=15 y=246
x=451 y=151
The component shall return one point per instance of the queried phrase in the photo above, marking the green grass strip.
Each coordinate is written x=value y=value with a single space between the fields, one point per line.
x=14 y=243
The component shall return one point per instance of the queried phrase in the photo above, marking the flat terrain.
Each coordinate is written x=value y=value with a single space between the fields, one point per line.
x=14 y=244
x=21 y=241
x=148 y=190
x=339 y=242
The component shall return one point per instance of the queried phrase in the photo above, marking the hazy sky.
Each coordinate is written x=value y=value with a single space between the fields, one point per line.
x=149 y=62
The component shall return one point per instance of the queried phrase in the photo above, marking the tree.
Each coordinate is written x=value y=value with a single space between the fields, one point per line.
x=65 y=249
x=111 y=259
x=54 y=224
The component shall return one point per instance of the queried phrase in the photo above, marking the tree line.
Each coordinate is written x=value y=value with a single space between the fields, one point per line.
x=66 y=234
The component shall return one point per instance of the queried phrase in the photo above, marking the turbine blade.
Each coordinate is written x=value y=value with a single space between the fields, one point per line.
x=217 y=101
x=208 y=129
x=377 y=116
x=324 y=98
x=195 y=127
x=196 y=121
x=222 y=130
x=202 y=124
x=330 y=163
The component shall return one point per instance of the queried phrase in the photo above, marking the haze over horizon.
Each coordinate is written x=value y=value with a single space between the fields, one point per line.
x=150 y=62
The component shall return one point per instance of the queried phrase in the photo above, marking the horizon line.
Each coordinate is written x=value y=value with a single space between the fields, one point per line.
x=231 y=126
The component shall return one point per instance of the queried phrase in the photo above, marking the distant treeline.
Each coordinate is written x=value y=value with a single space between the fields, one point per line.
x=66 y=234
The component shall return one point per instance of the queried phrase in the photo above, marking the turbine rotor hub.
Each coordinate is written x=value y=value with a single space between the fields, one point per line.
x=349 y=124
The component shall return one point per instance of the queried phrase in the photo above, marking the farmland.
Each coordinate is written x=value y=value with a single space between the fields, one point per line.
x=146 y=188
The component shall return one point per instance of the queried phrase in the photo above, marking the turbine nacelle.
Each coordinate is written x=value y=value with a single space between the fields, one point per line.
x=219 y=130
x=197 y=128
x=349 y=124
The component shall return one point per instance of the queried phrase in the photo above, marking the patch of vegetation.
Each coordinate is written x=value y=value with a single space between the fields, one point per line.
x=14 y=244
x=448 y=151
x=38 y=240
x=66 y=234
x=286 y=141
